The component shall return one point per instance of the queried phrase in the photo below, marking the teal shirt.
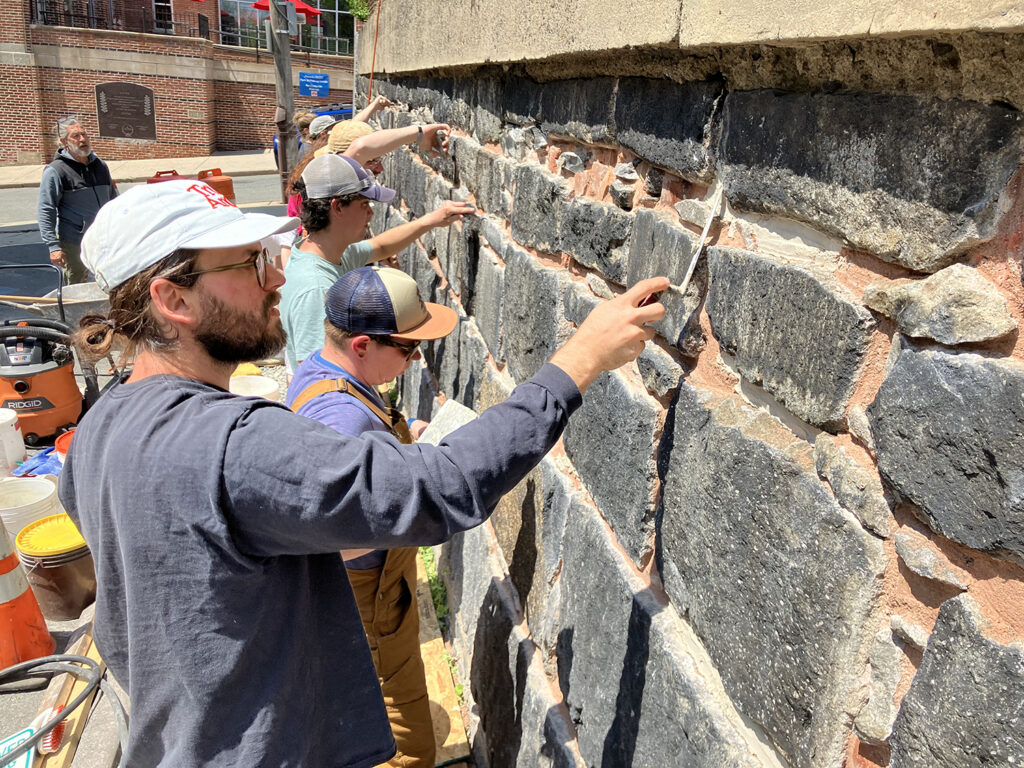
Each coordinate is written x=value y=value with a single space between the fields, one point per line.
x=307 y=279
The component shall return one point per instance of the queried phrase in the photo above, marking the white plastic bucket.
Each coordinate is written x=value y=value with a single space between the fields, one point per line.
x=24 y=500
x=260 y=386
x=12 y=444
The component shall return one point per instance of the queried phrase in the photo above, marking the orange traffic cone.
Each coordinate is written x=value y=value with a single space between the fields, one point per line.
x=23 y=633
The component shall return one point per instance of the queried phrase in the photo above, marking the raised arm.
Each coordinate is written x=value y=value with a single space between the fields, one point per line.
x=393 y=240
x=374 y=145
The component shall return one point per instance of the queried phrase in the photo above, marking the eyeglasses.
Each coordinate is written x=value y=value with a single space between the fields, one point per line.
x=259 y=263
x=408 y=349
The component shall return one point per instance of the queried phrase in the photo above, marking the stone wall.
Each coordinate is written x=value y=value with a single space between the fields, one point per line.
x=792 y=533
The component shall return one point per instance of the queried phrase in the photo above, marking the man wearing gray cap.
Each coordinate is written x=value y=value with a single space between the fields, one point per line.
x=222 y=604
x=336 y=193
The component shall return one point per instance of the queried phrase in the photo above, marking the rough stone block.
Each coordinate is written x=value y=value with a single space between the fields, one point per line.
x=472 y=361
x=913 y=179
x=622 y=194
x=659 y=371
x=611 y=441
x=912 y=634
x=532 y=323
x=487 y=112
x=578 y=302
x=953 y=306
x=695 y=212
x=856 y=488
x=963 y=709
x=417 y=399
x=522 y=101
x=631 y=687
x=659 y=248
x=493 y=234
x=529 y=525
x=919 y=555
x=776 y=579
x=668 y=123
x=495 y=175
x=794 y=333
x=948 y=437
x=464 y=155
x=597 y=236
x=874 y=722
x=579 y=109
x=486 y=302
x=537 y=208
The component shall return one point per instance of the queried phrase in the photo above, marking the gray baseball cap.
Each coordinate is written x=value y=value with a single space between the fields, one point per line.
x=331 y=176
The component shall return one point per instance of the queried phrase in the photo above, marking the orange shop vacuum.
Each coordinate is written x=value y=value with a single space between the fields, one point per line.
x=37 y=374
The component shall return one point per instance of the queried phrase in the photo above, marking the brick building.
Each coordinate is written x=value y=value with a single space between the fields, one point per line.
x=205 y=95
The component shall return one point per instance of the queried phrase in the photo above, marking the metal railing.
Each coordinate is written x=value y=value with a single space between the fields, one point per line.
x=100 y=14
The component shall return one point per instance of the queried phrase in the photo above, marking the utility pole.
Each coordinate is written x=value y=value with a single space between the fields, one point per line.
x=287 y=146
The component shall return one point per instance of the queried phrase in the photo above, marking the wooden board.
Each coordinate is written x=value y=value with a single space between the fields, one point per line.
x=449 y=731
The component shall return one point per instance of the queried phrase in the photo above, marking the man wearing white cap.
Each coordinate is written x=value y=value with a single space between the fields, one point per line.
x=336 y=210
x=223 y=606
x=374 y=325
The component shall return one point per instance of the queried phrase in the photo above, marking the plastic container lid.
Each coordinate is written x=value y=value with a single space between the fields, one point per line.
x=53 y=535
x=63 y=443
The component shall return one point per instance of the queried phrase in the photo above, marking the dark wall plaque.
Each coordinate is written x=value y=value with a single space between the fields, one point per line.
x=126 y=111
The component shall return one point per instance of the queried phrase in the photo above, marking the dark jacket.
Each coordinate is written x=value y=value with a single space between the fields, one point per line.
x=70 y=195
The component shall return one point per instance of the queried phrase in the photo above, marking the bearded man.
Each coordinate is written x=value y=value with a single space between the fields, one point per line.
x=75 y=186
x=222 y=603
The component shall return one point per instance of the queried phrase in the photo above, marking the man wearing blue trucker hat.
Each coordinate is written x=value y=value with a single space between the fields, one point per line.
x=375 y=323
x=222 y=604
x=336 y=194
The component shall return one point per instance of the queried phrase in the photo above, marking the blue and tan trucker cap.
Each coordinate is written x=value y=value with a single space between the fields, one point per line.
x=381 y=301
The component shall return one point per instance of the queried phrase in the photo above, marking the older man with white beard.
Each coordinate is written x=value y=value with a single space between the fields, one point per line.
x=75 y=186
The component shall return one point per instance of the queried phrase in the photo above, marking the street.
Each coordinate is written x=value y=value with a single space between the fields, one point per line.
x=21 y=245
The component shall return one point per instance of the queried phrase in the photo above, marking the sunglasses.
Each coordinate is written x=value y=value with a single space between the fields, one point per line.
x=408 y=349
x=259 y=264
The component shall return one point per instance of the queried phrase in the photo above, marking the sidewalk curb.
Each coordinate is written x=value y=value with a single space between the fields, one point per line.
x=137 y=179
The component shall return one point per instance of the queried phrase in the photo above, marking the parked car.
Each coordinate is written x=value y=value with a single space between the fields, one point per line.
x=340 y=112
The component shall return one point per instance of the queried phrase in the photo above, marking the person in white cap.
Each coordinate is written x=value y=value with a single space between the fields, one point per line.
x=222 y=603
x=336 y=210
x=374 y=325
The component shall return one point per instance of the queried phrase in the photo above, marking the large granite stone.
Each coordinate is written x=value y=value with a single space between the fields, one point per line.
x=659 y=248
x=597 y=236
x=487 y=112
x=949 y=436
x=537 y=208
x=494 y=179
x=611 y=442
x=522 y=101
x=953 y=306
x=486 y=301
x=668 y=123
x=579 y=109
x=913 y=179
x=963 y=709
x=632 y=688
x=776 y=579
x=794 y=333
x=529 y=525
x=659 y=371
x=532 y=323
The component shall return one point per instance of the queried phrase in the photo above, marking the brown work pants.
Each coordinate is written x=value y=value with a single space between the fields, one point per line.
x=387 y=605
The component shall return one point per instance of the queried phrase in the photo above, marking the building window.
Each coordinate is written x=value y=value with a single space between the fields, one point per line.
x=162 y=16
x=330 y=32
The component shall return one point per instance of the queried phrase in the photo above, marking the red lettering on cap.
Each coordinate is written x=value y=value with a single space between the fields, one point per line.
x=213 y=197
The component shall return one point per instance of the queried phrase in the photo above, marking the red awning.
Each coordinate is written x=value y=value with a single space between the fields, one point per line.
x=300 y=7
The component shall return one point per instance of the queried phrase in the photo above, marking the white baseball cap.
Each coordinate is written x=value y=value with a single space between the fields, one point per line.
x=151 y=221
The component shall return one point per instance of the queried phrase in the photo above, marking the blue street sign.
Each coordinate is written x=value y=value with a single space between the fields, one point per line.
x=314 y=84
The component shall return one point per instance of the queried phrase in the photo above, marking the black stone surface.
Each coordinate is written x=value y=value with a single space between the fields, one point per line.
x=531 y=313
x=911 y=178
x=776 y=579
x=582 y=109
x=796 y=334
x=948 y=436
x=668 y=123
x=537 y=208
x=597 y=236
x=963 y=709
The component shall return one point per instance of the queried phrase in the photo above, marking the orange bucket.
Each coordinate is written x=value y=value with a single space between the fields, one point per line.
x=63 y=444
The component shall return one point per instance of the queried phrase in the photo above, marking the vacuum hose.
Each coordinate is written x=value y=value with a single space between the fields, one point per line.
x=90 y=671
